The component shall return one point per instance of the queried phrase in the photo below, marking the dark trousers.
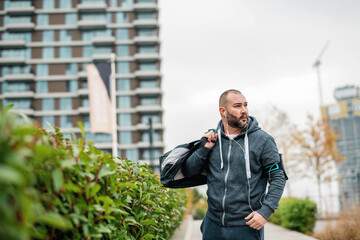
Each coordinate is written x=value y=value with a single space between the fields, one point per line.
x=213 y=231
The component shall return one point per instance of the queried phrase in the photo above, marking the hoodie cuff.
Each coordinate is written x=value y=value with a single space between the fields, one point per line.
x=265 y=211
x=203 y=152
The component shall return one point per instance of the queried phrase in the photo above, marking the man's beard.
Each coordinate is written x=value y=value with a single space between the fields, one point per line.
x=235 y=122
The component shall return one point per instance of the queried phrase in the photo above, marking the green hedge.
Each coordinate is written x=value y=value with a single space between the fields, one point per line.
x=295 y=214
x=51 y=188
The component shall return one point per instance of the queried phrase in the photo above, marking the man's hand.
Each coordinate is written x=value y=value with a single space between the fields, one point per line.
x=211 y=137
x=257 y=221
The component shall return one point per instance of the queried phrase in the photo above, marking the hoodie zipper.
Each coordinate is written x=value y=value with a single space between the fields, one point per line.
x=226 y=177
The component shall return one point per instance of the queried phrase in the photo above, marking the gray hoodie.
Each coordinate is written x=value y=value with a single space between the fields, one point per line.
x=231 y=194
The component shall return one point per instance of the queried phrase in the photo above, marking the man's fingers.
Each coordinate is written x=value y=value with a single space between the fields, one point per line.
x=249 y=216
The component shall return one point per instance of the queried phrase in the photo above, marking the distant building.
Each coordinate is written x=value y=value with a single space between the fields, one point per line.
x=45 y=47
x=344 y=116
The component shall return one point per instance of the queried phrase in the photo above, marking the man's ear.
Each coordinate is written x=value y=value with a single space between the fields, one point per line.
x=222 y=111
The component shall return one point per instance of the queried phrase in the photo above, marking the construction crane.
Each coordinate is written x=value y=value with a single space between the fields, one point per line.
x=317 y=66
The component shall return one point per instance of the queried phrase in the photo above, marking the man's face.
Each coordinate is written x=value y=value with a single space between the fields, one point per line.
x=236 y=111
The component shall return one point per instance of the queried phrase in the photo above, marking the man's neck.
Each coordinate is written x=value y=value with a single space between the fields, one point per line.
x=233 y=131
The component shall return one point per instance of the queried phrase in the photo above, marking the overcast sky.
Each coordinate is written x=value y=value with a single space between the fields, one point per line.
x=265 y=49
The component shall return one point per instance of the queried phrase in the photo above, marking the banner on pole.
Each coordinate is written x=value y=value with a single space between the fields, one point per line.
x=98 y=77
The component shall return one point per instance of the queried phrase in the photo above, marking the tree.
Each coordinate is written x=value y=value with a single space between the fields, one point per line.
x=277 y=123
x=319 y=150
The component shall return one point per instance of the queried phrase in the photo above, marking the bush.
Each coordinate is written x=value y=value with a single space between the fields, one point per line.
x=295 y=214
x=346 y=227
x=51 y=188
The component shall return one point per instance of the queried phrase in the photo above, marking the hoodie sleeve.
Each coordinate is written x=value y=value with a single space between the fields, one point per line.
x=196 y=162
x=270 y=157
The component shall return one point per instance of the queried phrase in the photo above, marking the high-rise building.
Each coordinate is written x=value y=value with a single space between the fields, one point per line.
x=344 y=116
x=45 y=47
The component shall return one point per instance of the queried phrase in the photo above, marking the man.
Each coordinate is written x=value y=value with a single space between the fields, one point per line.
x=240 y=159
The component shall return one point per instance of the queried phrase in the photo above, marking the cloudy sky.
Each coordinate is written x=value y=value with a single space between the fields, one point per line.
x=265 y=48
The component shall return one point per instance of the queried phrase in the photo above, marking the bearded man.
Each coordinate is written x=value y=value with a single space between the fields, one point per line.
x=240 y=160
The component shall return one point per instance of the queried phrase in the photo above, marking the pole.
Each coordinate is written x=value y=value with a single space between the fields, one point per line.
x=113 y=105
x=151 y=143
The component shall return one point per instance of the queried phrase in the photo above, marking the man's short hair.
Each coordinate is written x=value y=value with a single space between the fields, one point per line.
x=223 y=97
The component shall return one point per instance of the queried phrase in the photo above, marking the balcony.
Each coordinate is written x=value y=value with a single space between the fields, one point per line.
x=149 y=108
x=142 y=7
x=20 y=10
x=19 y=77
x=83 y=92
x=83 y=110
x=12 y=44
x=147 y=56
x=143 y=126
x=20 y=26
x=82 y=75
x=91 y=7
x=145 y=23
x=148 y=91
x=25 y=94
x=146 y=39
x=142 y=73
x=103 y=40
x=101 y=56
x=158 y=144
x=12 y=60
x=91 y=24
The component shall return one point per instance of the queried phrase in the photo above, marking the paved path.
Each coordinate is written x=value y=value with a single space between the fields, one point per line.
x=190 y=230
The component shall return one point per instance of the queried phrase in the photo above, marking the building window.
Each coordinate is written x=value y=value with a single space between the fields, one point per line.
x=46 y=120
x=42 y=87
x=90 y=34
x=48 y=4
x=145 y=1
x=72 y=86
x=87 y=51
x=85 y=102
x=14 y=53
x=122 y=34
x=93 y=16
x=16 y=19
x=26 y=36
x=48 y=36
x=71 y=19
x=98 y=137
x=147 y=101
x=123 y=67
x=65 y=103
x=149 y=83
x=65 y=4
x=71 y=69
x=8 y=4
x=125 y=137
x=123 y=50
x=145 y=15
x=132 y=154
x=18 y=103
x=147 y=49
x=102 y=50
x=16 y=69
x=42 y=70
x=123 y=84
x=48 y=52
x=125 y=119
x=124 y=102
x=146 y=32
x=48 y=104
x=42 y=20
x=127 y=3
x=145 y=118
x=65 y=52
x=66 y=121
x=121 y=17
x=146 y=136
x=147 y=154
x=15 y=87
x=65 y=35
x=147 y=66
x=83 y=84
x=86 y=121
x=113 y=3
